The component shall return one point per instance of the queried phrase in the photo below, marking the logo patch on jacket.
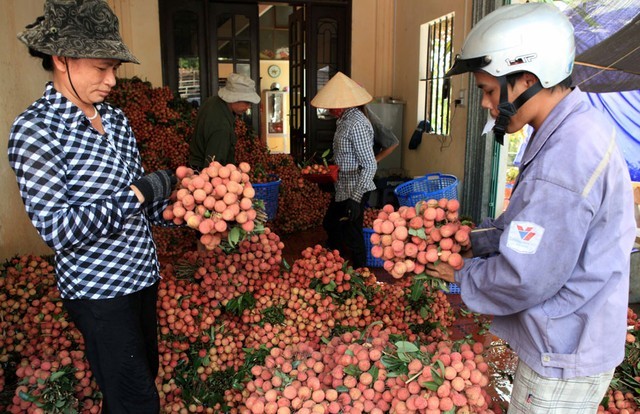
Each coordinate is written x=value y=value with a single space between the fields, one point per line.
x=524 y=237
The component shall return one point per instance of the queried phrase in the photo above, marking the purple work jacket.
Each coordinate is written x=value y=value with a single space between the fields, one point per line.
x=555 y=266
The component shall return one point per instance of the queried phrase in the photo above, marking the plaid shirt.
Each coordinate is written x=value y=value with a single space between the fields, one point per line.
x=75 y=184
x=353 y=152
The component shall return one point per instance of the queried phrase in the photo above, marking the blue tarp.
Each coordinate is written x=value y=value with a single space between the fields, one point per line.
x=607 y=53
x=596 y=22
x=623 y=108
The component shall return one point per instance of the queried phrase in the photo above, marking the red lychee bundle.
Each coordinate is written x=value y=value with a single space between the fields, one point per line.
x=370 y=214
x=411 y=237
x=215 y=200
x=162 y=122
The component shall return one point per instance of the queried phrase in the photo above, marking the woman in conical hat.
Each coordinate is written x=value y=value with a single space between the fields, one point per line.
x=353 y=153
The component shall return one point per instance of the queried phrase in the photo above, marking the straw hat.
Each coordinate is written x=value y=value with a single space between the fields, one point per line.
x=239 y=88
x=341 y=92
x=77 y=29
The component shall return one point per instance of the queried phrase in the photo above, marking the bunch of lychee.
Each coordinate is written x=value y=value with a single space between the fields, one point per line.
x=411 y=237
x=214 y=200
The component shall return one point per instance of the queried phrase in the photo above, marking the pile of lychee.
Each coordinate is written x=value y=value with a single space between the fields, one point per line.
x=411 y=237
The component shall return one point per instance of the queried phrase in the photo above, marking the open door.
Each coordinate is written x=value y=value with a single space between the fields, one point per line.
x=330 y=43
x=203 y=41
x=319 y=41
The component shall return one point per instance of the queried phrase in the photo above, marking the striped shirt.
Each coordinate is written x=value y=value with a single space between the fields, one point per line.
x=75 y=184
x=353 y=153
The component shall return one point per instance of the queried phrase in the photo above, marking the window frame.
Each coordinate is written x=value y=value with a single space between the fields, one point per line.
x=434 y=89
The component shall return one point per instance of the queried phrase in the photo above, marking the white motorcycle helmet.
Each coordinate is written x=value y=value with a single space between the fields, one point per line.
x=531 y=37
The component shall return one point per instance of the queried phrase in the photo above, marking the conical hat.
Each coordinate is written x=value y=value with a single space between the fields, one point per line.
x=341 y=92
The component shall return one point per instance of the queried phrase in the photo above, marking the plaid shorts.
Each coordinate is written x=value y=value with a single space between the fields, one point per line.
x=534 y=394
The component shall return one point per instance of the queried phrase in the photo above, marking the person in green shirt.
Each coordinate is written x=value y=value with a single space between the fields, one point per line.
x=214 y=136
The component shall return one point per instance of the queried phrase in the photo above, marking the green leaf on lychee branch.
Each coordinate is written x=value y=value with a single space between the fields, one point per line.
x=418 y=232
x=239 y=304
x=352 y=370
x=273 y=315
x=430 y=385
x=374 y=371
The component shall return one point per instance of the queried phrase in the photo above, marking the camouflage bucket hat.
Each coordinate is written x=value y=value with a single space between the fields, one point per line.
x=77 y=29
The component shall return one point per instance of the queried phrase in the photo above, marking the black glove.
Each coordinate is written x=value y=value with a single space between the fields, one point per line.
x=352 y=209
x=157 y=185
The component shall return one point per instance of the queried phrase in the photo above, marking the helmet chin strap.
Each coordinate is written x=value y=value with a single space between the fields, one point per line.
x=507 y=109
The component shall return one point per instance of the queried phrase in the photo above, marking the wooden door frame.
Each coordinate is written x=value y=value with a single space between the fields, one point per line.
x=314 y=146
x=167 y=48
x=297 y=83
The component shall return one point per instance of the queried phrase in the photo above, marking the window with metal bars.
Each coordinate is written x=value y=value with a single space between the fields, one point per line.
x=436 y=57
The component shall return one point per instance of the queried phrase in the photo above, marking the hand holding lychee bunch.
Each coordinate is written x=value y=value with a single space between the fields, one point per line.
x=214 y=200
x=411 y=237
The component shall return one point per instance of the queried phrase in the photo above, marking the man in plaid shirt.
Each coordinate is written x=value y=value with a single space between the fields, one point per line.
x=83 y=186
x=353 y=153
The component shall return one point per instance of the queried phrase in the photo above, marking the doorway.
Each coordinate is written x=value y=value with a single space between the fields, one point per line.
x=288 y=47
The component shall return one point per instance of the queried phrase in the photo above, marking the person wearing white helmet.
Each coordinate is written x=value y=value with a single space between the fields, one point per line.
x=553 y=268
x=501 y=47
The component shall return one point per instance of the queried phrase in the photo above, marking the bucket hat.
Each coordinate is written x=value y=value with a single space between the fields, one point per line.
x=77 y=29
x=341 y=92
x=239 y=88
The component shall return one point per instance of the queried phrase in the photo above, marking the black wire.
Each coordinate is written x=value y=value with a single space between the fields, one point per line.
x=66 y=64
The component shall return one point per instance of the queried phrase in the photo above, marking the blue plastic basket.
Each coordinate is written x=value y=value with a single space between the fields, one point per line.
x=268 y=193
x=371 y=261
x=434 y=186
x=453 y=289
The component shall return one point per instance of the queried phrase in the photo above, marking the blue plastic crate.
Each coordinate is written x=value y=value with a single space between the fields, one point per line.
x=434 y=186
x=371 y=261
x=268 y=193
x=454 y=288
